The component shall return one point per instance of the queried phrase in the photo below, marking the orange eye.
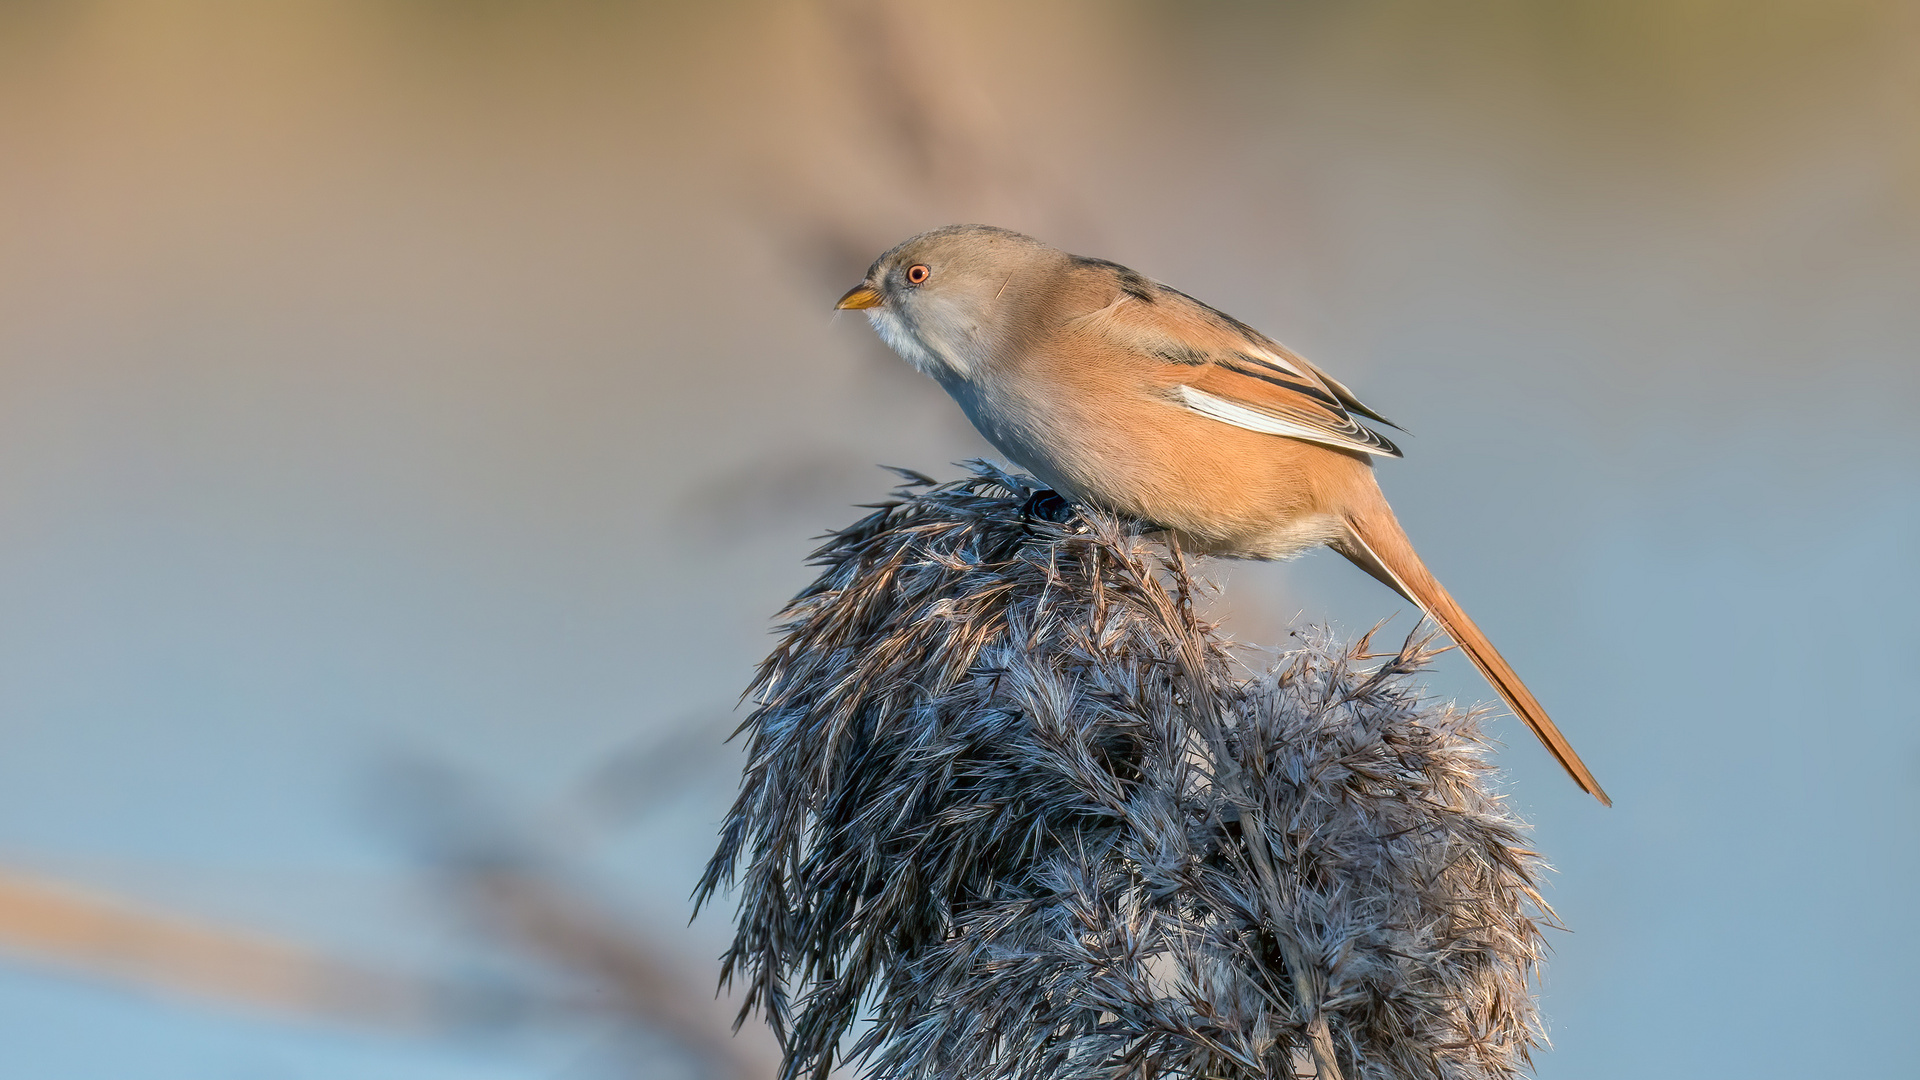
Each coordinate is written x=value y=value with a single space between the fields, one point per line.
x=917 y=273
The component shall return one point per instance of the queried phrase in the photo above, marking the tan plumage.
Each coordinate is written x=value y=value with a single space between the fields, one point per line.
x=1126 y=394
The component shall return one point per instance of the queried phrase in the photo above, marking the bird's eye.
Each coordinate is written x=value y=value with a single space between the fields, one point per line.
x=917 y=273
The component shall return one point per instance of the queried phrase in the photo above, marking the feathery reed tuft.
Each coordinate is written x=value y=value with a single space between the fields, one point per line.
x=1009 y=801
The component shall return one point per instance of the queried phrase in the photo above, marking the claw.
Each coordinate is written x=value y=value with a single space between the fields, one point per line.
x=1046 y=505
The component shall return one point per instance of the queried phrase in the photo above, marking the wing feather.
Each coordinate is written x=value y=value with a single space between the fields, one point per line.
x=1293 y=423
x=1225 y=370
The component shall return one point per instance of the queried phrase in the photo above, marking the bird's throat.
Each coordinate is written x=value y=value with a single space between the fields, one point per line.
x=901 y=338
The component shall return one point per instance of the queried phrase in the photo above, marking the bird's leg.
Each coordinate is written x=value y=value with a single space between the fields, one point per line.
x=1046 y=504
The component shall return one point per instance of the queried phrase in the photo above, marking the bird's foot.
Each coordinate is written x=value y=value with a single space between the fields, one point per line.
x=1046 y=505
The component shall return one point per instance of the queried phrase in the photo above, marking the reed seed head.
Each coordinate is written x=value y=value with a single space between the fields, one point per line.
x=1013 y=809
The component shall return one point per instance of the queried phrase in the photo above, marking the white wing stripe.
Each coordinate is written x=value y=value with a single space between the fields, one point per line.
x=1241 y=416
x=1280 y=362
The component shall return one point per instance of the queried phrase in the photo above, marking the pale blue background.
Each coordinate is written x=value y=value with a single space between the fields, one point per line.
x=388 y=380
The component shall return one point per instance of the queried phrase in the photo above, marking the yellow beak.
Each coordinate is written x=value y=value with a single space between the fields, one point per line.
x=859 y=298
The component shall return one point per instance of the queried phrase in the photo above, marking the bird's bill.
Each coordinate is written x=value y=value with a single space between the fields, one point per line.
x=859 y=298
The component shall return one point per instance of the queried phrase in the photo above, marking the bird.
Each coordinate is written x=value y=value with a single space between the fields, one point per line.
x=1124 y=394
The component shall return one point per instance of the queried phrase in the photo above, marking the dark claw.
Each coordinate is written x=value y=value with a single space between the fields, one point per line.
x=1046 y=505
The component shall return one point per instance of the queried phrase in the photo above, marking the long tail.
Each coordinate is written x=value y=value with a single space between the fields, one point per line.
x=1376 y=544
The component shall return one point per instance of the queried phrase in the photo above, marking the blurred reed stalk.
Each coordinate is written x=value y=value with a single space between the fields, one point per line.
x=56 y=925
x=1011 y=804
x=584 y=965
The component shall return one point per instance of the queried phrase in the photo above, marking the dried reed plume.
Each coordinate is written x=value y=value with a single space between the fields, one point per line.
x=1009 y=801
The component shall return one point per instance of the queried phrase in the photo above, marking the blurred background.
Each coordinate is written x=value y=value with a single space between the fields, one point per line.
x=412 y=412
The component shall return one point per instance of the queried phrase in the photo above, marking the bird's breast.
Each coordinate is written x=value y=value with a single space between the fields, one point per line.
x=1028 y=430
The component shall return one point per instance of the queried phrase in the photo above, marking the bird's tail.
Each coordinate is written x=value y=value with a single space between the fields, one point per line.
x=1376 y=544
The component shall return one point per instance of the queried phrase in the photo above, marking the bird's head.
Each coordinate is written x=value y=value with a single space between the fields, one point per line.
x=943 y=299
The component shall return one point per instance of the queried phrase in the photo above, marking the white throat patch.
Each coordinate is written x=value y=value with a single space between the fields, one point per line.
x=937 y=363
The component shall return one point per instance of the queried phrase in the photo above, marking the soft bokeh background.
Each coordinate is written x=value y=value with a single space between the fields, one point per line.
x=411 y=412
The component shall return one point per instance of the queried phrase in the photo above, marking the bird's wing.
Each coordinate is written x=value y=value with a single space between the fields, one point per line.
x=1221 y=368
